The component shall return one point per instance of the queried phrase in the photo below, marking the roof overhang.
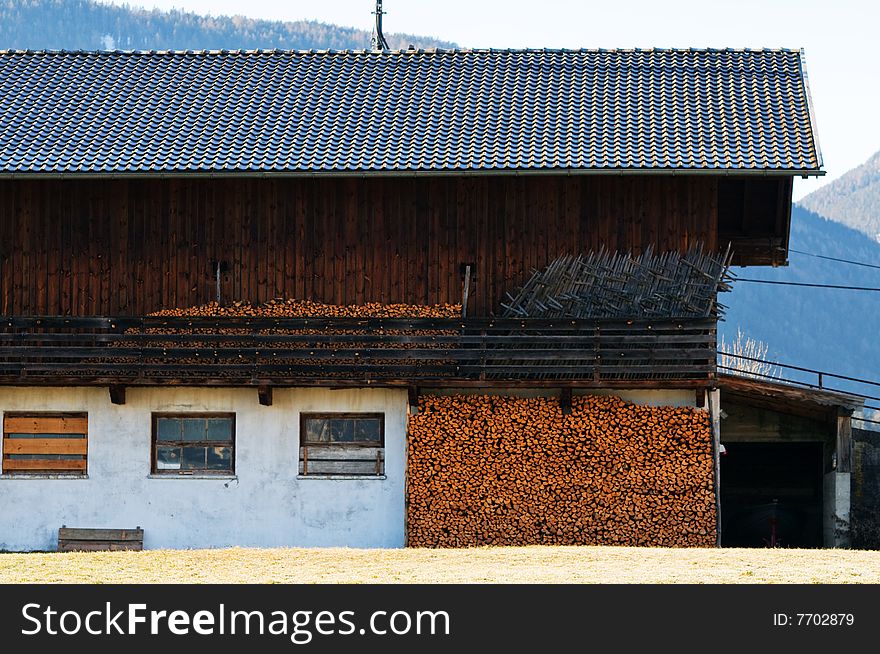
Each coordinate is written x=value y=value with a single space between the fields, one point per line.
x=718 y=172
x=787 y=397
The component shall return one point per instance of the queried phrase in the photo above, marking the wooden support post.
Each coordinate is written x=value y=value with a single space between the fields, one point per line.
x=844 y=441
x=714 y=421
x=413 y=393
x=700 y=398
x=265 y=394
x=465 y=290
x=117 y=394
x=565 y=401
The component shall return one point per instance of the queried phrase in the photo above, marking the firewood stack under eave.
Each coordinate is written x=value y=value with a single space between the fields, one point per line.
x=280 y=308
x=486 y=470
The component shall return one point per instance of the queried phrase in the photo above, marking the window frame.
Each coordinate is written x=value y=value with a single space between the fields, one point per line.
x=154 y=444
x=44 y=473
x=331 y=415
x=304 y=445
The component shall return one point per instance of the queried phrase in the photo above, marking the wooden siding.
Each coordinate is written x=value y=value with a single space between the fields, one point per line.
x=129 y=247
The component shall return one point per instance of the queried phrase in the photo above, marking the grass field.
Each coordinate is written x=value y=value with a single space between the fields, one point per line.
x=589 y=565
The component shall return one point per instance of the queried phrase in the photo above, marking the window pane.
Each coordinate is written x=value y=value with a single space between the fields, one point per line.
x=317 y=430
x=343 y=430
x=337 y=430
x=193 y=458
x=367 y=430
x=168 y=429
x=194 y=429
x=219 y=429
x=220 y=458
x=167 y=458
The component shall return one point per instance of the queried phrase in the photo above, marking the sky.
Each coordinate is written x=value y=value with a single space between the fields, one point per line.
x=838 y=38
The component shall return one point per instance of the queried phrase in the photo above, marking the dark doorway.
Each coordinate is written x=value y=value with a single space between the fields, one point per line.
x=771 y=495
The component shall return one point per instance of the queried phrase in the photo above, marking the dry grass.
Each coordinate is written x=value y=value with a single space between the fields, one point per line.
x=582 y=565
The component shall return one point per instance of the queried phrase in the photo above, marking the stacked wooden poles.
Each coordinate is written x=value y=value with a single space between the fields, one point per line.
x=486 y=470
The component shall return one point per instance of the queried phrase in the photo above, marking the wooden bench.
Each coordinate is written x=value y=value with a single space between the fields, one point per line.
x=93 y=540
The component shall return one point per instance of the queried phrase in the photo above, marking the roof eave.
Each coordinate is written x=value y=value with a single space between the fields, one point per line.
x=751 y=172
x=815 y=395
x=811 y=112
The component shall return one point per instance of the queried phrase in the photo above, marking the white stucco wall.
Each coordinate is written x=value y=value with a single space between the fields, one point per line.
x=263 y=505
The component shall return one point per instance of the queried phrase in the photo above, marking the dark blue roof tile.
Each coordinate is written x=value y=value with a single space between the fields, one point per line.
x=359 y=111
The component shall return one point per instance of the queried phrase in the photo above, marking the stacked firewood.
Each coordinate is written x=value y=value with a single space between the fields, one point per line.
x=486 y=470
x=280 y=308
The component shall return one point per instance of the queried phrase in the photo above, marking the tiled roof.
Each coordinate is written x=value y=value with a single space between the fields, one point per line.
x=411 y=111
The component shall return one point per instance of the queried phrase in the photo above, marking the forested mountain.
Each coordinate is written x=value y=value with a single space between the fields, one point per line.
x=88 y=25
x=853 y=199
x=825 y=329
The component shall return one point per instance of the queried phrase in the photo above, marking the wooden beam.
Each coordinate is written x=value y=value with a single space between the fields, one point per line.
x=49 y=425
x=45 y=446
x=75 y=533
x=48 y=465
x=265 y=394
x=844 y=441
x=565 y=400
x=117 y=394
x=413 y=396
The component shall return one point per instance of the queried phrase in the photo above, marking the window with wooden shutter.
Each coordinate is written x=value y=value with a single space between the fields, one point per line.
x=346 y=444
x=45 y=443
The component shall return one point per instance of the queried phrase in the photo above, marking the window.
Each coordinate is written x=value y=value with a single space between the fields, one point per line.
x=193 y=443
x=45 y=443
x=349 y=444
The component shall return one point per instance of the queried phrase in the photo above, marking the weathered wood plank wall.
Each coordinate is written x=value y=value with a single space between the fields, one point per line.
x=128 y=247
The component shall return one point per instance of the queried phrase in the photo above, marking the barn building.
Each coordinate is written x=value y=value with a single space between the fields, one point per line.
x=275 y=298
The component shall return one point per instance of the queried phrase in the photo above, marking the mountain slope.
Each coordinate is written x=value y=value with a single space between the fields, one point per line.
x=88 y=25
x=853 y=199
x=824 y=329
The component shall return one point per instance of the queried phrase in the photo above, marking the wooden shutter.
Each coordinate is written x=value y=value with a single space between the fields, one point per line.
x=45 y=443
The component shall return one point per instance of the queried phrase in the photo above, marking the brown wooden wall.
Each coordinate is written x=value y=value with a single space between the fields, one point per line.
x=128 y=247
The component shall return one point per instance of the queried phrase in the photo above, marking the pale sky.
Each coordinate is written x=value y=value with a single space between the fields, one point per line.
x=838 y=37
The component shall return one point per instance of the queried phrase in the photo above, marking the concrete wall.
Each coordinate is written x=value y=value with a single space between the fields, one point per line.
x=865 y=513
x=836 y=504
x=263 y=505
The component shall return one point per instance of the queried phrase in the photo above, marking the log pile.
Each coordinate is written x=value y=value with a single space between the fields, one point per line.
x=280 y=308
x=486 y=470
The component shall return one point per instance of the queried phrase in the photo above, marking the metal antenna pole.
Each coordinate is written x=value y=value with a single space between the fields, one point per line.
x=379 y=42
